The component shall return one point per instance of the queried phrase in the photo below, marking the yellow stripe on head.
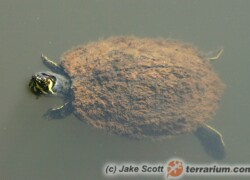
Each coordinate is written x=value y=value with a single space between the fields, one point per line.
x=40 y=88
x=50 y=85
x=34 y=89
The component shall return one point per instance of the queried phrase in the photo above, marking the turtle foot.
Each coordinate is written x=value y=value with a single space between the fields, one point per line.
x=211 y=141
x=59 y=112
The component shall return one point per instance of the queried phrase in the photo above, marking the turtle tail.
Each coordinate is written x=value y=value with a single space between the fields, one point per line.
x=211 y=141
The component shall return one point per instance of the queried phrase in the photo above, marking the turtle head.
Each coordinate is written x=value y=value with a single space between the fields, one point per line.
x=49 y=83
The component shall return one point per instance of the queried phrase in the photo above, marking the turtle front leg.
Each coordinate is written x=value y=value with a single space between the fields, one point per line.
x=53 y=66
x=59 y=112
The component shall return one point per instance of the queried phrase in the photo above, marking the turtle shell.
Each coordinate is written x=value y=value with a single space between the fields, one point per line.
x=142 y=87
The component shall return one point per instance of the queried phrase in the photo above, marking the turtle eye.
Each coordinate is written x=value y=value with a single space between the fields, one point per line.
x=49 y=77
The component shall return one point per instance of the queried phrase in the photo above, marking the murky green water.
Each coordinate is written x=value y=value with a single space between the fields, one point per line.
x=34 y=148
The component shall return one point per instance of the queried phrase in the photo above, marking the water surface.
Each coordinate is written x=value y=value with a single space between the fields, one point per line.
x=35 y=148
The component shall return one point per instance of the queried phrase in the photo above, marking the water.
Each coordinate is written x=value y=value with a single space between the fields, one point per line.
x=35 y=148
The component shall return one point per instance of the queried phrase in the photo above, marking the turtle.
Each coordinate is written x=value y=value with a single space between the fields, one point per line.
x=138 y=88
